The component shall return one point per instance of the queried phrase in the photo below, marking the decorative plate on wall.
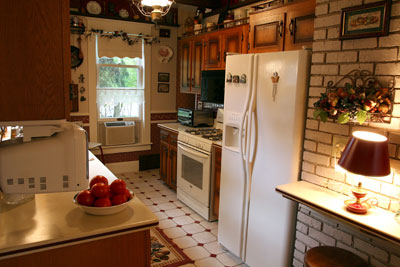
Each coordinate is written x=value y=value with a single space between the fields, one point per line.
x=76 y=61
x=165 y=53
x=93 y=7
x=123 y=13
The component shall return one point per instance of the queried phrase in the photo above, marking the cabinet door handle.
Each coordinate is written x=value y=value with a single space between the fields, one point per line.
x=224 y=56
x=218 y=56
x=280 y=28
x=292 y=27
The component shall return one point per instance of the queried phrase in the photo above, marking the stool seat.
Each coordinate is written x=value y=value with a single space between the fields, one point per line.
x=325 y=256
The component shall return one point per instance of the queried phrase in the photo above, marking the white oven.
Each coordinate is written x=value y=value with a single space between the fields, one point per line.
x=194 y=178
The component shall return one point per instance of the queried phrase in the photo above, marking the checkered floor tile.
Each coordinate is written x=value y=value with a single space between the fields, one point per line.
x=196 y=236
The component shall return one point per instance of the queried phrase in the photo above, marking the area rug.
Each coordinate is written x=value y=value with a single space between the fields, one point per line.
x=164 y=252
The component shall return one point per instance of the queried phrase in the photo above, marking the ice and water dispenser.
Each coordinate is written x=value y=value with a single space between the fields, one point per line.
x=232 y=130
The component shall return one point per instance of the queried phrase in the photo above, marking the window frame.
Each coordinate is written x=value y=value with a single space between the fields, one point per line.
x=144 y=130
x=140 y=86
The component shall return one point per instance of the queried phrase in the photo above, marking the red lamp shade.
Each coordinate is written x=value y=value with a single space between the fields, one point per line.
x=366 y=154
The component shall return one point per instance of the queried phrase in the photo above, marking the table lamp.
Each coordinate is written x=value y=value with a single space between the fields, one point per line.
x=365 y=154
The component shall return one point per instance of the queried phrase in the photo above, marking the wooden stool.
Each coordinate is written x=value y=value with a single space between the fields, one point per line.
x=325 y=256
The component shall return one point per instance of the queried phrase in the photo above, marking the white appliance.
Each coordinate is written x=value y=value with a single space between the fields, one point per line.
x=194 y=180
x=120 y=132
x=47 y=164
x=263 y=129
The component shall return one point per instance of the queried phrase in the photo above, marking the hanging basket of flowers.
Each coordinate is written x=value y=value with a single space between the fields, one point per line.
x=358 y=96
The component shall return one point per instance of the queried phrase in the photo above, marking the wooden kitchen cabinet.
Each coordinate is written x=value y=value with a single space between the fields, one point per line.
x=173 y=163
x=212 y=49
x=216 y=174
x=35 y=71
x=168 y=157
x=285 y=27
x=191 y=64
x=235 y=40
x=130 y=250
x=208 y=52
x=219 y=43
x=163 y=158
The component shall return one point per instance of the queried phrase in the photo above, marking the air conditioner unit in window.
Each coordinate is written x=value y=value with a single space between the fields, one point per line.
x=119 y=133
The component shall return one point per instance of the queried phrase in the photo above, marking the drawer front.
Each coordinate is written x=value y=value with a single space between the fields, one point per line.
x=164 y=135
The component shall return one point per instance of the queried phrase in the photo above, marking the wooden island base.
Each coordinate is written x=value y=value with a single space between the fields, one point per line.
x=131 y=249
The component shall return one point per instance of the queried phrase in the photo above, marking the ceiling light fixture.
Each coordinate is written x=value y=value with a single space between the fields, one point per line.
x=153 y=8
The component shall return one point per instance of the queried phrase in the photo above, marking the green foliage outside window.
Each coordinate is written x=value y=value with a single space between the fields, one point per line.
x=118 y=77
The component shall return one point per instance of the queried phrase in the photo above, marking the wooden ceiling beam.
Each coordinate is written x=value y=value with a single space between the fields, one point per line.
x=200 y=3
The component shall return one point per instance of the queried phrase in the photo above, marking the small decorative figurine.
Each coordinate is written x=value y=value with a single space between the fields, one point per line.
x=275 y=80
x=229 y=77
x=243 y=78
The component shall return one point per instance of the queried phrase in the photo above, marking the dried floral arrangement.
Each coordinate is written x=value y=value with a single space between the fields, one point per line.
x=361 y=99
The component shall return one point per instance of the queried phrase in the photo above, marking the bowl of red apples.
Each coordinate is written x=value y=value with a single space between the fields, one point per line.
x=103 y=198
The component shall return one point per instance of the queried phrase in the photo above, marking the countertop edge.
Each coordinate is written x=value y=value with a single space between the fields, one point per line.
x=358 y=221
x=32 y=248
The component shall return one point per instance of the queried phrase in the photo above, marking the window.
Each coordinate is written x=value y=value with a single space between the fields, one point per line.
x=120 y=90
x=119 y=82
x=120 y=86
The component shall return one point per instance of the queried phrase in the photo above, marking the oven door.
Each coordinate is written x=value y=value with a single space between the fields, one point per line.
x=194 y=170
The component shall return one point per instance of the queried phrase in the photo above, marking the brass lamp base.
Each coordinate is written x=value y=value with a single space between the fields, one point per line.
x=358 y=206
x=354 y=207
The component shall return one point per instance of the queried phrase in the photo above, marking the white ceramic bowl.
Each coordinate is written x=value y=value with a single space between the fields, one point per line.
x=103 y=210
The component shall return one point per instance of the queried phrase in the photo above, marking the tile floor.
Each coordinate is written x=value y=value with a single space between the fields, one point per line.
x=196 y=236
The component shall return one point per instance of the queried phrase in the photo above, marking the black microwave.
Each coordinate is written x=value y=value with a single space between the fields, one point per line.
x=213 y=86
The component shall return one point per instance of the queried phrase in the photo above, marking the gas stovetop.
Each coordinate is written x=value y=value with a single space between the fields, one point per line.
x=212 y=134
x=201 y=138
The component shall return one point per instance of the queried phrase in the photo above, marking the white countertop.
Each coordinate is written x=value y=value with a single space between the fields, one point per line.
x=174 y=126
x=377 y=221
x=53 y=219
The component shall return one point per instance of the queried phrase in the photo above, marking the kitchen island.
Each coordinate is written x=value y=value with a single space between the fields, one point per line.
x=52 y=231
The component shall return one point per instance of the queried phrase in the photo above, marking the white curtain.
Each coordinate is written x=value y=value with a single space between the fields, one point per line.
x=119 y=103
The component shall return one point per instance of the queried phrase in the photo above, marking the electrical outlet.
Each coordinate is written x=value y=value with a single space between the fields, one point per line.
x=338 y=144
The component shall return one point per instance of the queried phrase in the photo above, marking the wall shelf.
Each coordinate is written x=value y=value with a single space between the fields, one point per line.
x=377 y=221
x=73 y=13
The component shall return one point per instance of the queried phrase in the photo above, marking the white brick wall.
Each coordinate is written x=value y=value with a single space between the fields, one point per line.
x=332 y=58
x=314 y=229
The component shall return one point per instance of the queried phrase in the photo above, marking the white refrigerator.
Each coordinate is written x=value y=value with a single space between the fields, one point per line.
x=263 y=130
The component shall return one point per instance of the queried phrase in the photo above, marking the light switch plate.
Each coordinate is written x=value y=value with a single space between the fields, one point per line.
x=338 y=144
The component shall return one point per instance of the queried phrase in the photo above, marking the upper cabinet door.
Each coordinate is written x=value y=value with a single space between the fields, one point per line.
x=267 y=32
x=35 y=70
x=213 y=51
x=232 y=41
x=185 y=66
x=300 y=27
x=197 y=62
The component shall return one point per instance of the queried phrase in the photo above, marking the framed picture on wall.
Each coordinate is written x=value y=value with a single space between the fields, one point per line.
x=163 y=88
x=163 y=77
x=365 y=20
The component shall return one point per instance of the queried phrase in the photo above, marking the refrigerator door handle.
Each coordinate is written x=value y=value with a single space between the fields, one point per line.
x=244 y=136
x=252 y=121
x=253 y=149
x=248 y=166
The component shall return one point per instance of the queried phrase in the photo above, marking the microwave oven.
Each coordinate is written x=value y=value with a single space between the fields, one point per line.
x=56 y=163
x=213 y=86
x=195 y=118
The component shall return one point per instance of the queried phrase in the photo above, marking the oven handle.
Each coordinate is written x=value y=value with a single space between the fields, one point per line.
x=193 y=152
